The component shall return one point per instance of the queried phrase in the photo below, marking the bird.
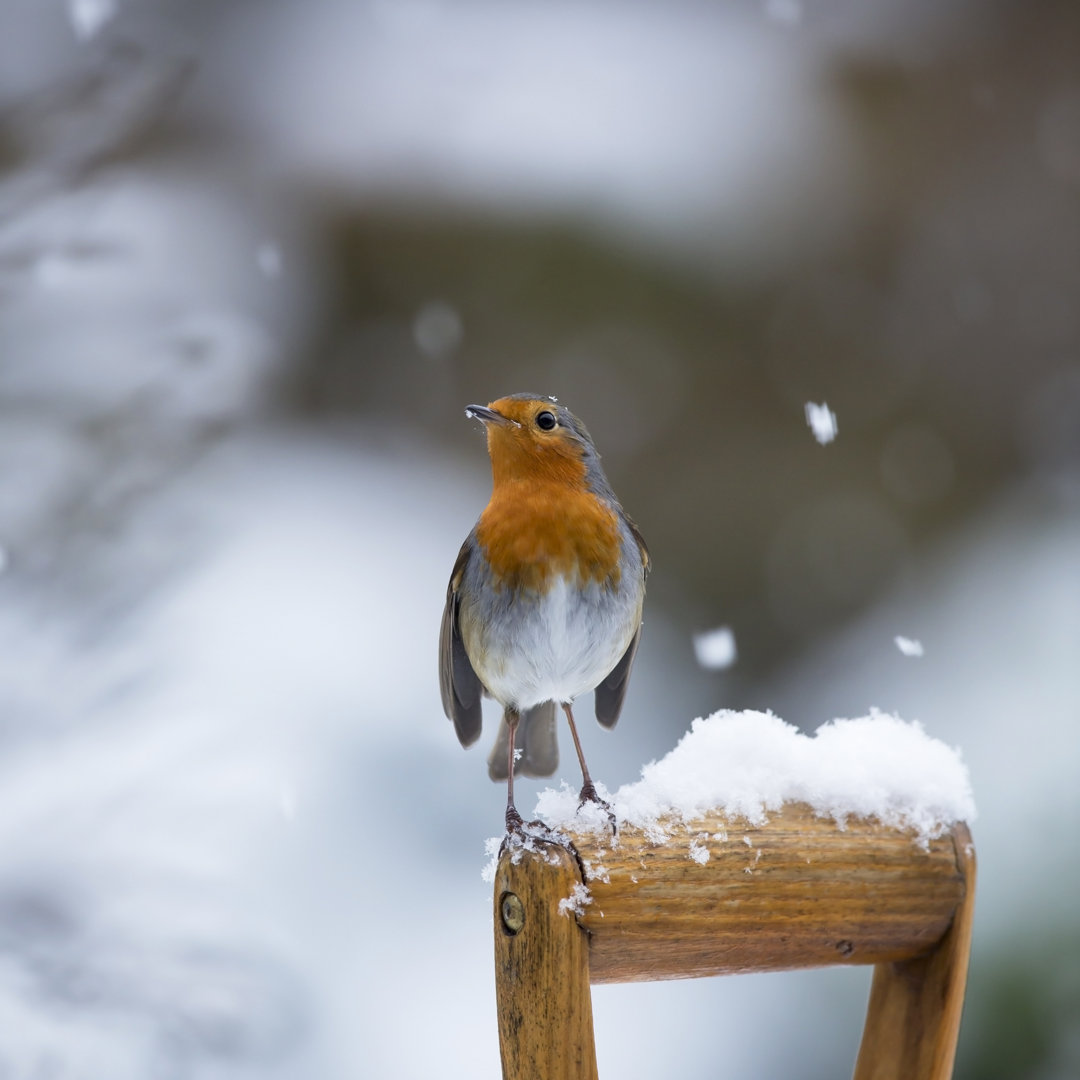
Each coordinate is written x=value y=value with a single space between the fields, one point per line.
x=545 y=600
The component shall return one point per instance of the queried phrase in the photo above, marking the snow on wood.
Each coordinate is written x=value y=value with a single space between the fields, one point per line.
x=746 y=764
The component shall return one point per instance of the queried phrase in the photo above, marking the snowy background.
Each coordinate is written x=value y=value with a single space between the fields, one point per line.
x=254 y=261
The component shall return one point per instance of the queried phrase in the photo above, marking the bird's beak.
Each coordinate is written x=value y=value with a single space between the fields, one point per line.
x=489 y=416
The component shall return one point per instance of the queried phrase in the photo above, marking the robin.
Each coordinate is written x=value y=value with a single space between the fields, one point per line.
x=545 y=599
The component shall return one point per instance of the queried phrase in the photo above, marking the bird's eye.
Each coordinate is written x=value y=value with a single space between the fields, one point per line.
x=545 y=421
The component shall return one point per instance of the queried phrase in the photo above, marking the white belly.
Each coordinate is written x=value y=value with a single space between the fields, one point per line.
x=554 y=648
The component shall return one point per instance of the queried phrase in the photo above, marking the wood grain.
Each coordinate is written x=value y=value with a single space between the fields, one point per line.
x=913 y=1020
x=541 y=970
x=794 y=892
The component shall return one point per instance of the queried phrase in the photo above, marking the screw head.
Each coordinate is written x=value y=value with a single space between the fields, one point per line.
x=513 y=912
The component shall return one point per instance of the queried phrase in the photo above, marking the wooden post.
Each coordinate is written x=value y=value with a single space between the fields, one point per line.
x=542 y=969
x=913 y=1020
x=720 y=896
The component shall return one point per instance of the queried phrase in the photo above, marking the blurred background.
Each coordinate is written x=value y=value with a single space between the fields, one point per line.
x=256 y=257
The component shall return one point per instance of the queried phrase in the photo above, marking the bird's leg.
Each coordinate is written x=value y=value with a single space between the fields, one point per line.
x=514 y=824
x=588 y=789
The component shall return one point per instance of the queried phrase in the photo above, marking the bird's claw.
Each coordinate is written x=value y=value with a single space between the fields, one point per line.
x=519 y=832
x=589 y=794
x=514 y=823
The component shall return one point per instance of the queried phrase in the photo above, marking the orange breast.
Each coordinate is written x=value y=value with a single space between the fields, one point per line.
x=532 y=531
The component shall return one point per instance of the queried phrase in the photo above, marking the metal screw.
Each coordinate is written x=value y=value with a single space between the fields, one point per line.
x=513 y=912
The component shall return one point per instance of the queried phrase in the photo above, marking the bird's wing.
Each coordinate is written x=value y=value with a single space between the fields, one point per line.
x=635 y=532
x=612 y=691
x=458 y=683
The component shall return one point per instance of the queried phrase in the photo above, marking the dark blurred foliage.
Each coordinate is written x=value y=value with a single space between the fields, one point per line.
x=1022 y=1016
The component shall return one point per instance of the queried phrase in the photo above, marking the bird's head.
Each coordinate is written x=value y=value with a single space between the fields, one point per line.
x=534 y=438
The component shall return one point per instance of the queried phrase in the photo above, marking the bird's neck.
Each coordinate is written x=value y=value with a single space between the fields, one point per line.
x=519 y=464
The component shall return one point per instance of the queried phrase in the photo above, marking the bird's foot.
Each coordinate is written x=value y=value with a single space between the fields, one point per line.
x=589 y=794
x=514 y=823
x=526 y=834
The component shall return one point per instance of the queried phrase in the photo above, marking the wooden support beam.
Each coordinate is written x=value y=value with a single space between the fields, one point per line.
x=796 y=891
x=913 y=1020
x=542 y=969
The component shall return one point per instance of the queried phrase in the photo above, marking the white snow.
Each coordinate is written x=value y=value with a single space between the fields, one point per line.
x=89 y=16
x=533 y=841
x=822 y=422
x=575 y=903
x=715 y=649
x=492 y=847
x=908 y=646
x=746 y=764
x=596 y=871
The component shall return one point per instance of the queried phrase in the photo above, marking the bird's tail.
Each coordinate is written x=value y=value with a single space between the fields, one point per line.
x=535 y=738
